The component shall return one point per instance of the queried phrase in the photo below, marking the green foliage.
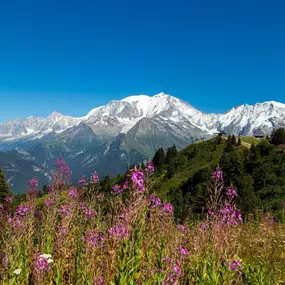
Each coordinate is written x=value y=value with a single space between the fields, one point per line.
x=278 y=136
x=258 y=173
x=159 y=159
x=4 y=186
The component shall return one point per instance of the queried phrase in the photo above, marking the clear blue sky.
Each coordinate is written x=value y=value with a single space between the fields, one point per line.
x=72 y=56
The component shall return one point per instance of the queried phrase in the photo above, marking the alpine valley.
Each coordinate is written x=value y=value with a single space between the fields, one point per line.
x=111 y=138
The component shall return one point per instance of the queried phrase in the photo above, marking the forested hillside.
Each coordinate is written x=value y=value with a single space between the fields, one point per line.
x=258 y=173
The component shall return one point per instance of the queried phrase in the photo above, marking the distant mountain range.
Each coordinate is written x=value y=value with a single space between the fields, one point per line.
x=112 y=137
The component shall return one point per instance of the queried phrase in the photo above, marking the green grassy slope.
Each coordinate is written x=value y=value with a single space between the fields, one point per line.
x=198 y=156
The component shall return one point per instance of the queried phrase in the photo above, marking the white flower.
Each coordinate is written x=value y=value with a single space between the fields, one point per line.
x=45 y=256
x=17 y=271
x=50 y=260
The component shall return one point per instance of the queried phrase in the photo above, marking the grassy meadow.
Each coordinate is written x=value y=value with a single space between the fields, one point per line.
x=80 y=235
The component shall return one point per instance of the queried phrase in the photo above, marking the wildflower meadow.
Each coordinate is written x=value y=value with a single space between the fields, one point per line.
x=78 y=234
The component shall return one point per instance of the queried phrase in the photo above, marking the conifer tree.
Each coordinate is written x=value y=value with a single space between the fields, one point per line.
x=45 y=189
x=278 y=136
x=233 y=140
x=159 y=158
x=4 y=186
x=171 y=153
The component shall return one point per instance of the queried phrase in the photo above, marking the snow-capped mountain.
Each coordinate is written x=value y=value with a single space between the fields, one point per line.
x=122 y=115
x=111 y=137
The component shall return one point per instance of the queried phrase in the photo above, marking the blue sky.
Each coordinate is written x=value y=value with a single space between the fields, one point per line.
x=72 y=56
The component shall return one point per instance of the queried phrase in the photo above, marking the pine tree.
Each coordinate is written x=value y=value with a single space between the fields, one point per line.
x=218 y=139
x=278 y=136
x=171 y=153
x=229 y=145
x=143 y=166
x=45 y=189
x=233 y=140
x=159 y=158
x=4 y=186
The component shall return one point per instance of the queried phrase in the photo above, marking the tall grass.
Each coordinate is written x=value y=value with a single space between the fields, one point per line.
x=80 y=236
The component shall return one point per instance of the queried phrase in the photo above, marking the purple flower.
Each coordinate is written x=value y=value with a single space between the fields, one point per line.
x=119 y=230
x=1 y=207
x=125 y=185
x=230 y=215
x=217 y=175
x=116 y=190
x=43 y=262
x=89 y=214
x=73 y=193
x=100 y=196
x=167 y=208
x=81 y=181
x=154 y=201
x=125 y=215
x=83 y=206
x=51 y=190
x=49 y=202
x=149 y=167
x=270 y=220
x=204 y=227
x=98 y=280
x=94 y=239
x=235 y=265
x=94 y=177
x=34 y=182
x=138 y=180
x=8 y=200
x=231 y=193
x=64 y=211
x=176 y=269
x=63 y=167
x=183 y=251
x=174 y=275
x=16 y=223
x=64 y=230
x=212 y=212
x=181 y=228
x=23 y=210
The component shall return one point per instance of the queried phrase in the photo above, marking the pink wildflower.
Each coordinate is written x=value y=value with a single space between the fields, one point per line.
x=231 y=193
x=100 y=196
x=138 y=180
x=217 y=175
x=98 y=280
x=116 y=190
x=81 y=181
x=94 y=178
x=64 y=211
x=34 y=183
x=154 y=201
x=167 y=208
x=149 y=167
x=119 y=230
x=73 y=193
x=49 y=202
x=181 y=228
x=183 y=251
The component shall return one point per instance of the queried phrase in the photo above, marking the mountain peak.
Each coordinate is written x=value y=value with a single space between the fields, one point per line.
x=161 y=94
x=55 y=114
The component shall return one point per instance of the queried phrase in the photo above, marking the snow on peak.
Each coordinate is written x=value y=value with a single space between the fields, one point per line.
x=136 y=98
x=55 y=114
x=121 y=115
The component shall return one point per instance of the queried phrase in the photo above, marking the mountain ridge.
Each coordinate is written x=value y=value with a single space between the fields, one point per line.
x=112 y=137
x=119 y=116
